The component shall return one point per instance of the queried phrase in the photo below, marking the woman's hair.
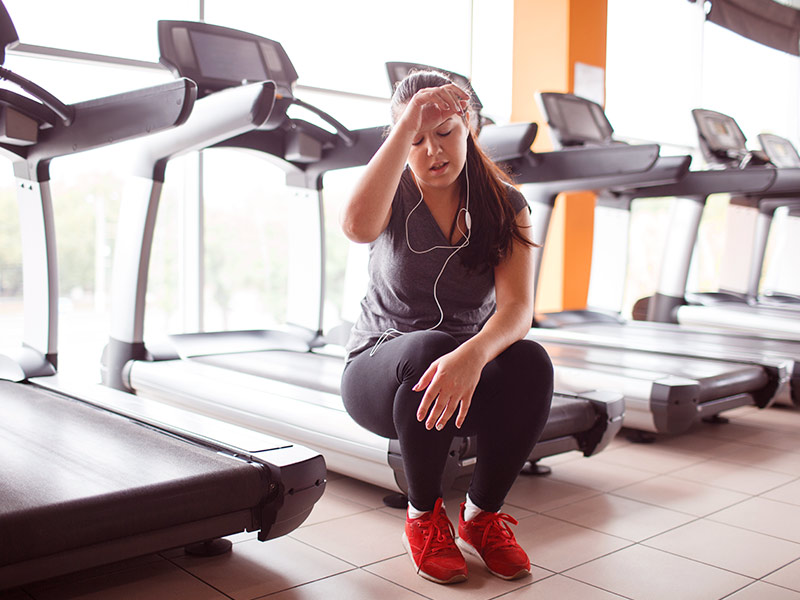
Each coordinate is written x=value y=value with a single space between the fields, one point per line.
x=494 y=225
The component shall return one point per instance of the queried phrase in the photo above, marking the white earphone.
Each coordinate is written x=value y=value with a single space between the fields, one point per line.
x=391 y=332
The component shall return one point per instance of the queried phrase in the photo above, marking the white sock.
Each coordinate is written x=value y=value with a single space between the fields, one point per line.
x=415 y=513
x=471 y=510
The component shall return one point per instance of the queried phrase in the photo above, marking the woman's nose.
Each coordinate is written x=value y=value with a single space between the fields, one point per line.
x=434 y=148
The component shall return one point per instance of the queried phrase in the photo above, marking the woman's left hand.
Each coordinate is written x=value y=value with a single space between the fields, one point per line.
x=449 y=384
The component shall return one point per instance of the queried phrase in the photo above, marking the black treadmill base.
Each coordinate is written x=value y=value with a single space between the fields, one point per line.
x=716 y=420
x=535 y=469
x=638 y=436
x=399 y=501
x=209 y=547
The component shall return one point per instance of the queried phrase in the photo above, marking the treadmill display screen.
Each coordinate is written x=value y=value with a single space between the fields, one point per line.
x=721 y=134
x=781 y=152
x=579 y=121
x=227 y=58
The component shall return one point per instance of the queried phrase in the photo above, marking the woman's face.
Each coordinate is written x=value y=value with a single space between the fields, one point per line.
x=437 y=156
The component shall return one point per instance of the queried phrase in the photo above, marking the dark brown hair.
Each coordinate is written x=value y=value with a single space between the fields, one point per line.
x=494 y=225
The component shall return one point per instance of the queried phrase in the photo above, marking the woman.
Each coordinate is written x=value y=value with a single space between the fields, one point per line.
x=437 y=350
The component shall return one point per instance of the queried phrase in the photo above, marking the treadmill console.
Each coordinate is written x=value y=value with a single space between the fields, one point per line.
x=575 y=121
x=8 y=33
x=218 y=57
x=722 y=141
x=780 y=151
x=399 y=70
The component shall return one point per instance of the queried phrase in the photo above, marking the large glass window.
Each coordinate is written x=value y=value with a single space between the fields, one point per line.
x=11 y=321
x=247 y=218
x=653 y=69
x=344 y=45
x=756 y=85
x=124 y=29
x=85 y=190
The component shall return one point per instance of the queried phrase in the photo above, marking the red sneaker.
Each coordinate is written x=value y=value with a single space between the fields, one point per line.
x=489 y=537
x=430 y=544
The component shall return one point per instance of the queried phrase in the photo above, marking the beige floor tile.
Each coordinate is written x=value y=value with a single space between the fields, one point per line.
x=681 y=495
x=330 y=507
x=649 y=457
x=151 y=580
x=357 y=491
x=789 y=493
x=480 y=585
x=776 y=418
x=621 y=517
x=540 y=494
x=757 y=435
x=737 y=431
x=739 y=550
x=769 y=517
x=260 y=568
x=359 y=539
x=562 y=588
x=643 y=573
x=599 y=475
x=778 y=440
x=764 y=458
x=764 y=591
x=557 y=545
x=351 y=585
x=696 y=441
x=559 y=459
x=788 y=576
x=739 y=478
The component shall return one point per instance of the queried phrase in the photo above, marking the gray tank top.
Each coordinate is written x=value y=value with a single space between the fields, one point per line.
x=400 y=291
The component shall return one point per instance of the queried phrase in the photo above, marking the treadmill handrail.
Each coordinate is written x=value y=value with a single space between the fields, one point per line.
x=561 y=166
x=97 y=123
x=309 y=175
x=215 y=117
x=701 y=184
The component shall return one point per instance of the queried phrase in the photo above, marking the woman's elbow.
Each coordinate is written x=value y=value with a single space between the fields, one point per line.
x=355 y=231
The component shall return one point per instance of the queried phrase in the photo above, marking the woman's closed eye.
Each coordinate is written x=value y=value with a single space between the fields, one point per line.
x=444 y=133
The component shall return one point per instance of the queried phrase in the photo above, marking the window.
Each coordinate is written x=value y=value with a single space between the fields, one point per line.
x=344 y=45
x=125 y=29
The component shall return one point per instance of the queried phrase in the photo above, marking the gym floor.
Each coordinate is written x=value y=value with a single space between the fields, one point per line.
x=714 y=513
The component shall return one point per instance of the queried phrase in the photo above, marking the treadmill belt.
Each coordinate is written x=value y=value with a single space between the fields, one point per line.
x=74 y=475
x=568 y=415
x=717 y=379
x=321 y=372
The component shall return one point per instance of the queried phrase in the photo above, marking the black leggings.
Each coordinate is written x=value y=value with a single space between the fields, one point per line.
x=508 y=412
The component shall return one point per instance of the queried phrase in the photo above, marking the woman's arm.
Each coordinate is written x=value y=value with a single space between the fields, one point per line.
x=451 y=380
x=366 y=213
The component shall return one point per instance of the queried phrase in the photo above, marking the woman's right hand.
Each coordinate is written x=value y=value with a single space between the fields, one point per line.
x=430 y=106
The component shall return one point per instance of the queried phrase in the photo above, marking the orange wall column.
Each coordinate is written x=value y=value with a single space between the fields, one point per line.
x=550 y=38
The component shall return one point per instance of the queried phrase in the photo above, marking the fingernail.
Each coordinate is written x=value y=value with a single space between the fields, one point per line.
x=439 y=426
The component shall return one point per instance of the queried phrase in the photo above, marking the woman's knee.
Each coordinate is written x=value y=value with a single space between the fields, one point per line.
x=421 y=348
x=529 y=357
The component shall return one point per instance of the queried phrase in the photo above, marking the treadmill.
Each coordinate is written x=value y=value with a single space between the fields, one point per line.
x=663 y=393
x=724 y=146
x=781 y=153
x=100 y=476
x=284 y=381
x=603 y=326
x=749 y=217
